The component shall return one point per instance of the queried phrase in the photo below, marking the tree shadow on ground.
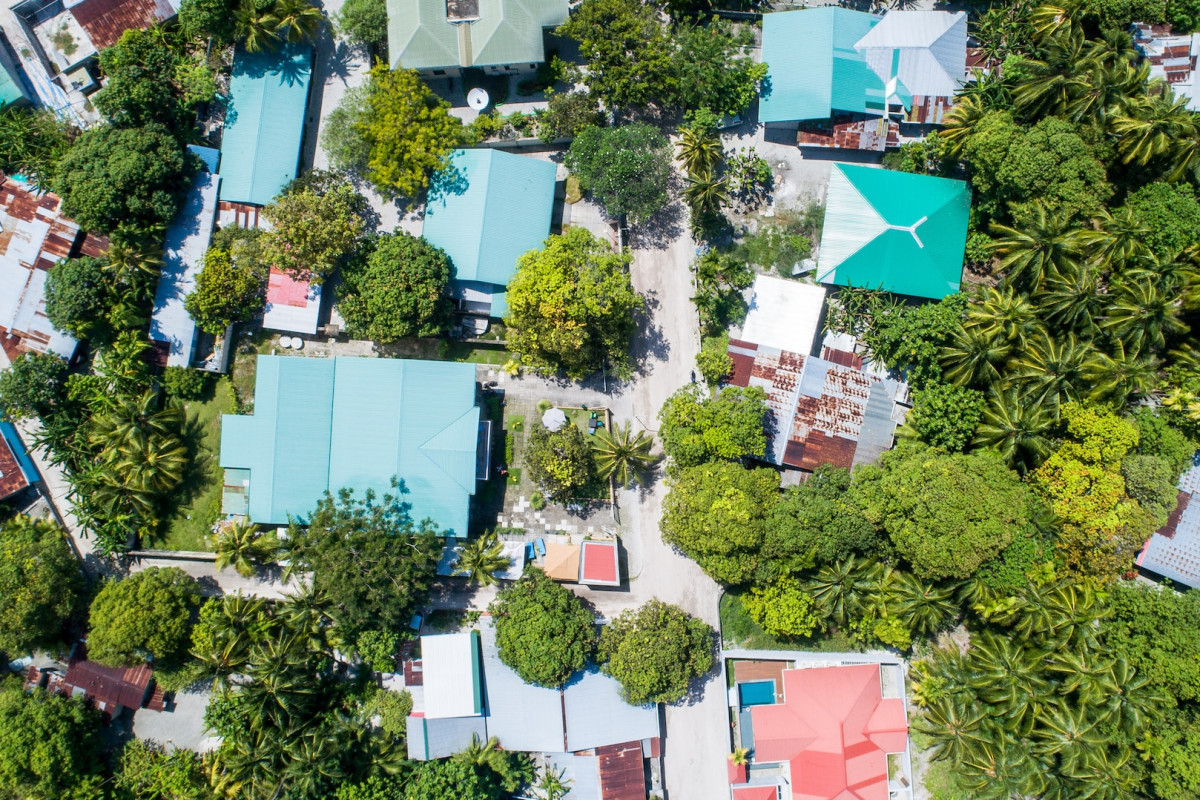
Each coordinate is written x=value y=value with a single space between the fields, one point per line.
x=660 y=230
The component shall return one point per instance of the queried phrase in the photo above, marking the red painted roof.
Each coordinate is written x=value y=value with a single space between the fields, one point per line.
x=284 y=290
x=736 y=772
x=12 y=479
x=599 y=563
x=835 y=729
x=755 y=793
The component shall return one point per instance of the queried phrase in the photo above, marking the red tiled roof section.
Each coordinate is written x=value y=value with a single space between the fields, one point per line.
x=284 y=290
x=622 y=771
x=12 y=479
x=599 y=562
x=106 y=20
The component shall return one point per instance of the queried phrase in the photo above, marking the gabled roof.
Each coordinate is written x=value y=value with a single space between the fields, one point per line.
x=1173 y=551
x=896 y=231
x=264 y=124
x=487 y=210
x=755 y=793
x=926 y=50
x=420 y=36
x=835 y=730
x=813 y=67
x=323 y=424
x=106 y=20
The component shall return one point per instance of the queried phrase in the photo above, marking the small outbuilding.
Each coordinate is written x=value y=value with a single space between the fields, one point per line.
x=784 y=313
x=293 y=305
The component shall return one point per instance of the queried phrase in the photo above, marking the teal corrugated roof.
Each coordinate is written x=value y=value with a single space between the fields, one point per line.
x=355 y=422
x=813 y=67
x=11 y=88
x=264 y=125
x=894 y=230
x=505 y=32
x=489 y=209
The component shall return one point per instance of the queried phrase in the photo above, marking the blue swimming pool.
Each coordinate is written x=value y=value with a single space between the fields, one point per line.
x=757 y=693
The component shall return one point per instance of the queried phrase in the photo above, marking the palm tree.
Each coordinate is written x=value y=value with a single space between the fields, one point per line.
x=700 y=150
x=1142 y=314
x=1004 y=313
x=706 y=192
x=551 y=785
x=298 y=20
x=1052 y=369
x=481 y=559
x=1121 y=238
x=255 y=29
x=1132 y=700
x=1068 y=735
x=974 y=357
x=957 y=727
x=960 y=122
x=1119 y=378
x=923 y=606
x=622 y=456
x=840 y=589
x=1160 y=127
x=309 y=614
x=129 y=262
x=1010 y=678
x=1052 y=83
x=1045 y=244
x=1073 y=301
x=242 y=547
x=1000 y=768
x=241 y=623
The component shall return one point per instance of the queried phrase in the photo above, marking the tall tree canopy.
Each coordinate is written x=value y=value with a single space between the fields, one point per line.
x=40 y=584
x=571 y=307
x=544 y=632
x=655 y=652
x=145 y=617
x=627 y=50
x=627 y=168
x=49 y=746
x=78 y=298
x=696 y=427
x=395 y=287
x=227 y=290
x=559 y=462
x=313 y=227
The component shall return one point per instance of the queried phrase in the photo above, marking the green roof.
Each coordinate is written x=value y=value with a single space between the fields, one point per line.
x=505 y=32
x=489 y=209
x=264 y=124
x=11 y=90
x=813 y=68
x=896 y=231
x=323 y=424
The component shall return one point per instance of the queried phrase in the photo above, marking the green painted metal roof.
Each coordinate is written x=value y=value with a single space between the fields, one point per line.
x=894 y=230
x=264 y=124
x=11 y=89
x=356 y=422
x=489 y=209
x=813 y=67
x=506 y=32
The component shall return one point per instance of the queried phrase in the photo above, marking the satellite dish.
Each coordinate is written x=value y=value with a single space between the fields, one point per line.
x=478 y=99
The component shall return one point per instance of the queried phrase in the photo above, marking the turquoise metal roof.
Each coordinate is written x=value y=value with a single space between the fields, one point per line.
x=264 y=124
x=896 y=231
x=813 y=68
x=357 y=422
x=489 y=208
x=11 y=89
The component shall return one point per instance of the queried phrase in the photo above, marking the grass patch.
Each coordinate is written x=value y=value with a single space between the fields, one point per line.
x=738 y=629
x=938 y=778
x=580 y=417
x=472 y=354
x=574 y=190
x=191 y=522
x=514 y=476
x=515 y=422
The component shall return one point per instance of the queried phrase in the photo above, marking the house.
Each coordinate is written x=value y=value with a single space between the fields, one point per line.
x=1173 y=551
x=837 y=82
x=34 y=236
x=1172 y=58
x=600 y=741
x=264 y=123
x=321 y=424
x=895 y=231
x=783 y=313
x=486 y=210
x=105 y=20
x=172 y=329
x=293 y=305
x=592 y=562
x=110 y=690
x=443 y=37
x=818 y=733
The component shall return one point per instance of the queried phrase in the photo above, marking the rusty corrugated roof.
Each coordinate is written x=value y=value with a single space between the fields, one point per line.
x=622 y=771
x=106 y=20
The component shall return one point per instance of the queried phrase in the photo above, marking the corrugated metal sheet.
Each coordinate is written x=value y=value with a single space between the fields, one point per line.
x=523 y=717
x=597 y=716
x=106 y=20
x=441 y=738
x=895 y=231
x=813 y=66
x=580 y=773
x=784 y=314
x=12 y=477
x=931 y=47
x=292 y=305
x=450 y=662
x=506 y=32
x=264 y=125
x=487 y=210
x=622 y=771
x=1174 y=551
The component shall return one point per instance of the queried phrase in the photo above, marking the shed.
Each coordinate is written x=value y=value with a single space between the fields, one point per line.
x=264 y=124
x=106 y=20
x=453 y=686
x=12 y=477
x=522 y=716
x=561 y=562
x=293 y=305
x=599 y=564
x=785 y=314
x=895 y=231
x=442 y=738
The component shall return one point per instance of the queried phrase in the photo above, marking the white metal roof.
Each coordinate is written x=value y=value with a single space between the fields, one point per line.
x=784 y=314
x=183 y=257
x=932 y=49
x=450 y=663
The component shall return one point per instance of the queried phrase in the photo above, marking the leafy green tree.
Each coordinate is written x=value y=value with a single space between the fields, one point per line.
x=1157 y=437
x=184 y=383
x=945 y=513
x=343 y=136
x=122 y=176
x=818 y=522
x=696 y=428
x=945 y=416
x=368 y=557
x=567 y=114
x=1151 y=482
x=453 y=778
x=140 y=87
x=226 y=292
x=719 y=514
x=655 y=652
x=545 y=634
x=364 y=22
x=782 y=608
x=31 y=143
x=712 y=69
x=146 y=771
x=145 y=617
x=912 y=338
x=481 y=558
x=49 y=745
x=1157 y=632
x=627 y=52
x=713 y=360
x=40 y=584
x=1167 y=214
x=78 y=298
x=34 y=385
x=572 y=307
x=201 y=19
x=396 y=289
x=311 y=231
x=513 y=770
x=622 y=456
x=627 y=168
x=559 y=462
x=378 y=649
x=721 y=279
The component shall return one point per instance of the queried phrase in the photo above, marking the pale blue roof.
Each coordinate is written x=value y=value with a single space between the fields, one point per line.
x=264 y=124
x=813 y=67
x=487 y=210
x=11 y=88
x=355 y=422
